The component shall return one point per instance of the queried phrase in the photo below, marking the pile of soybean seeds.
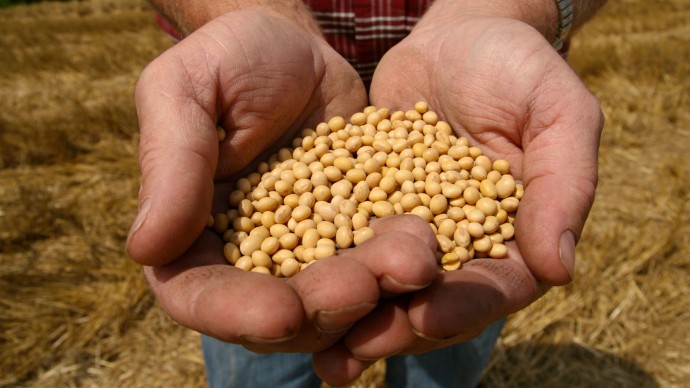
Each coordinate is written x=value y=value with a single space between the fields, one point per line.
x=318 y=196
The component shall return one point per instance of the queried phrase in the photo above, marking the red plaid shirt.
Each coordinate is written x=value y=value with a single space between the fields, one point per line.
x=363 y=30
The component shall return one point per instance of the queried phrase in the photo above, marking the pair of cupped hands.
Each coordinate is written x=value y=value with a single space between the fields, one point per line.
x=498 y=82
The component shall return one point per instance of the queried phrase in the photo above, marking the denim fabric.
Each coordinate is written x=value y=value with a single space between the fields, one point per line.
x=460 y=365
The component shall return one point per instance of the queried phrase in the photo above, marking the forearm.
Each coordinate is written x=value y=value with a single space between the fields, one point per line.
x=540 y=14
x=190 y=15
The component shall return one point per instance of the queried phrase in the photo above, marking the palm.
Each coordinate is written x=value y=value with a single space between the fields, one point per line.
x=261 y=78
x=499 y=83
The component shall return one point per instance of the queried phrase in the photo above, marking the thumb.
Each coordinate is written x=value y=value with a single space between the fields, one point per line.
x=559 y=173
x=178 y=157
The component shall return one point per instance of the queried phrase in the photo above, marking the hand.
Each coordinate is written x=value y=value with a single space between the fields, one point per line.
x=500 y=84
x=262 y=78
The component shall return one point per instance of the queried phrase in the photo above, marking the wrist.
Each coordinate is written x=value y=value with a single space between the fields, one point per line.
x=187 y=16
x=541 y=15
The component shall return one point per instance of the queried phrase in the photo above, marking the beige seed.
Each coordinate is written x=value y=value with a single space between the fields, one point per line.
x=479 y=173
x=505 y=187
x=270 y=245
x=261 y=259
x=487 y=206
x=245 y=208
x=451 y=191
x=356 y=175
x=475 y=152
x=430 y=117
x=322 y=193
x=490 y=225
x=221 y=222
x=290 y=267
x=345 y=207
x=410 y=201
x=323 y=251
x=377 y=194
x=260 y=231
x=344 y=237
x=303 y=226
x=388 y=184
x=282 y=255
x=475 y=229
x=488 y=188
x=278 y=230
x=283 y=187
x=494 y=176
x=256 y=218
x=507 y=231
x=301 y=213
x=244 y=185
x=326 y=229
x=501 y=166
x=510 y=204
x=343 y=187
x=243 y=224
x=423 y=212
x=235 y=237
x=288 y=240
x=447 y=227
x=268 y=219
x=232 y=253
x=362 y=234
x=445 y=244
x=302 y=186
x=359 y=221
x=463 y=254
x=262 y=270
x=450 y=261
x=471 y=195
x=250 y=244
x=310 y=238
x=266 y=204
x=438 y=204
x=519 y=191
x=344 y=164
x=245 y=263
x=498 y=251
x=336 y=123
x=382 y=209
x=482 y=244
x=496 y=238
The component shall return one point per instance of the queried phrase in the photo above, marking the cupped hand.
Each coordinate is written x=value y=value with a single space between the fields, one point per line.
x=500 y=84
x=262 y=78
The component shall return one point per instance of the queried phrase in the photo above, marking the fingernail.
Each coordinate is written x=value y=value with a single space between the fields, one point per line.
x=424 y=336
x=266 y=341
x=567 y=251
x=403 y=287
x=330 y=321
x=144 y=208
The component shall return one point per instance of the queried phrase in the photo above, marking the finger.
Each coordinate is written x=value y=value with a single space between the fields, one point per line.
x=460 y=304
x=386 y=331
x=203 y=293
x=401 y=255
x=178 y=154
x=335 y=293
x=336 y=365
x=560 y=177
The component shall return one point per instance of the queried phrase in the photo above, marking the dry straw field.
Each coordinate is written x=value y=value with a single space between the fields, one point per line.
x=75 y=312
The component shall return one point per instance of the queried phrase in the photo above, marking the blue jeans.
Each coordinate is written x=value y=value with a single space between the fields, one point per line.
x=460 y=365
